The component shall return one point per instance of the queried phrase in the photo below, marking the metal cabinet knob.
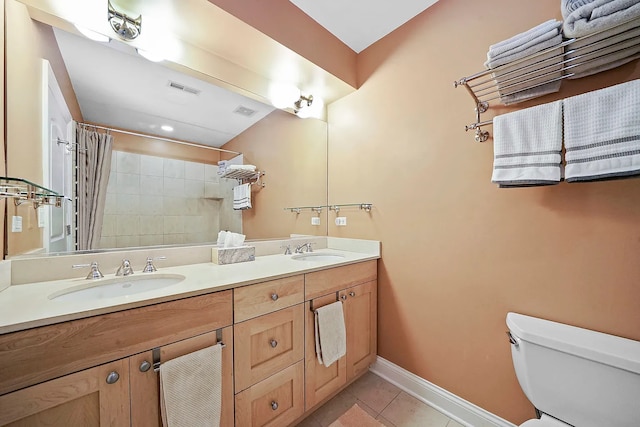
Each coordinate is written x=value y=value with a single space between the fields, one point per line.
x=352 y=294
x=113 y=377
x=274 y=297
x=343 y=297
x=273 y=343
x=274 y=405
x=145 y=366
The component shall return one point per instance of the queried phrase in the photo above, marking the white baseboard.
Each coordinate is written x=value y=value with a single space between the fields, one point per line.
x=456 y=408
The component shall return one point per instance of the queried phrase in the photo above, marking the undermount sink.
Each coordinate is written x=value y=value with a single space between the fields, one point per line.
x=116 y=287
x=318 y=256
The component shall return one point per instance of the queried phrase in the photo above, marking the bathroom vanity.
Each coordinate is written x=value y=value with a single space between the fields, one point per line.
x=101 y=367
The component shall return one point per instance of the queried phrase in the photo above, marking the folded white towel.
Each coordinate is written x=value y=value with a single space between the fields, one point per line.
x=242 y=167
x=527 y=145
x=523 y=41
x=242 y=196
x=602 y=133
x=331 y=334
x=596 y=15
x=191 y=389
x=614 y=47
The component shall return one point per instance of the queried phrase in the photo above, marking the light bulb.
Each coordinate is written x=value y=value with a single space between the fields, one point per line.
x=283 y=95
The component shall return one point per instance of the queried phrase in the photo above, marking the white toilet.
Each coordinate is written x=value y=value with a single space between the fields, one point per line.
x=574 y=376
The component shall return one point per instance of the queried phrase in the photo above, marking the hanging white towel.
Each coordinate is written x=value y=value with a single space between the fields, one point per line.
x=330 y=333
x=527 y=145
x=602 y=133
x=191 y=389
x=242 y=197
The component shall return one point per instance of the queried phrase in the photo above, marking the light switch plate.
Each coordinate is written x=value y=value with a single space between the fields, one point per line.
x=315 y=220
x=16 y=224
x=341 y=221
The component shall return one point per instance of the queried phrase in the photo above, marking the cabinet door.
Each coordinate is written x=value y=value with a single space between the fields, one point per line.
x=361 y=321
x=320 y=381
x=145 y=384
x=84 y=398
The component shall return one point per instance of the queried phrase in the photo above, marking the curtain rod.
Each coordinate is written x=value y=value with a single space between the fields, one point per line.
x=159 y=138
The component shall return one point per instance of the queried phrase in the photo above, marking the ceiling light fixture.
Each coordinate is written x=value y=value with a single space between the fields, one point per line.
x=167 y=128
x=125 y=27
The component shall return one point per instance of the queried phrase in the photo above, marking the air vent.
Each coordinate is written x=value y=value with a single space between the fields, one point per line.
x=244 y=111
x=180 y=86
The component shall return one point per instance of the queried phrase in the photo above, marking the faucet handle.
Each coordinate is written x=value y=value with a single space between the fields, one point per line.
x=150 y=268
x=94 y=273
x=309 y=247
x=287 y=249
x=125 y=268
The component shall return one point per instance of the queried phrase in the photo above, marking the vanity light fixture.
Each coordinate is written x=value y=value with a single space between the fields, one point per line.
x=125 y=27
x=302 y=102
x=308 y=106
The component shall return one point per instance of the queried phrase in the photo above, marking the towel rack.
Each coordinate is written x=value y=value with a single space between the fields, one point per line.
x=362 y=206
x=338 y=298
x=144 y=366
x=529 y=73
x=243 y=176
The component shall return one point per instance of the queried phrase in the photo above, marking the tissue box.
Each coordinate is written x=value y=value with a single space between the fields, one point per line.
x=233 y=255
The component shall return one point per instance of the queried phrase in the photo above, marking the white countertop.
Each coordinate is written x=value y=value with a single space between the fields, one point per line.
x=28 y=305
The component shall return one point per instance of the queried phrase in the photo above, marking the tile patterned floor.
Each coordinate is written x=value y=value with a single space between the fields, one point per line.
x=384 y=401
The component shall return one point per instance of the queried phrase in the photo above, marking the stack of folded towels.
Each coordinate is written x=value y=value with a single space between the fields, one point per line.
x=617 y=24
x=543 y=41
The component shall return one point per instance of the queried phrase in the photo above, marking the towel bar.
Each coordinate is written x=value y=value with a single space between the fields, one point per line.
x=338 y=298
x=156 y=354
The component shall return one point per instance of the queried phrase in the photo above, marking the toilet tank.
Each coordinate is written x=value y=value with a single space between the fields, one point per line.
x=581 y=377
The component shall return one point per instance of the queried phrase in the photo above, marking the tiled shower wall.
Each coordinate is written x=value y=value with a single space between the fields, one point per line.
x=158 y=201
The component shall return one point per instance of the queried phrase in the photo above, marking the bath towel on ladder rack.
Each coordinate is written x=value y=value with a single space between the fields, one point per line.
x=602 y=133
x=191 y=389
x=527 y=145
x=242 y=196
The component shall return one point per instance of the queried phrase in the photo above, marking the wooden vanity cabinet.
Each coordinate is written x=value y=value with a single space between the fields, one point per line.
x=356 y=286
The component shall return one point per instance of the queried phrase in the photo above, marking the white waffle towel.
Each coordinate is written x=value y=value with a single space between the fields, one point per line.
x=602 y=133
x=242 y=196
x=191 y=389
x=527 y=145
x=331 y=333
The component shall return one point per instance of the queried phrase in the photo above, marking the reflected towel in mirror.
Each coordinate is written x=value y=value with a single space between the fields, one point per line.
x=242 y=197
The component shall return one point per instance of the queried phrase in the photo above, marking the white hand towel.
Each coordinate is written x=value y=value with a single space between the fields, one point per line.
x=331 y=334
x=242 y=167
x=602 y=133
x=590 y=17
x=191 y=389
x=527 y=145
x=242 y=196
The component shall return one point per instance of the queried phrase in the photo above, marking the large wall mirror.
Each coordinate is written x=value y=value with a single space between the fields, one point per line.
x=159 y=192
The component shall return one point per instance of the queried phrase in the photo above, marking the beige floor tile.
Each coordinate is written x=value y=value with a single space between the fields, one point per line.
x=453 y=423
x=374 y=391
x=309 y=422
x=407 y=411
x=385 y=422
x=331 y=411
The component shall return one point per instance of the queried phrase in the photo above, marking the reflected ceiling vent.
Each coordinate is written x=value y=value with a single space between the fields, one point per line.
x=244 y=111
x=183 y=88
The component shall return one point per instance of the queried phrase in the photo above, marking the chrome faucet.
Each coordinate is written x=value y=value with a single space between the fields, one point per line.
x=301 y=248
x=150 y=268
x=94 y=273
x=287 y=249
x=124 y=269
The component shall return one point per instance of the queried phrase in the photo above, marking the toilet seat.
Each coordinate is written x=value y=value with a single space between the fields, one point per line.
x=544 y=421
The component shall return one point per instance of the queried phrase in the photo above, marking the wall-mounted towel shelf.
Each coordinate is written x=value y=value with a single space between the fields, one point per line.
x=23 y=191
x=253 y=177
x=362 y=206
x=617 y=44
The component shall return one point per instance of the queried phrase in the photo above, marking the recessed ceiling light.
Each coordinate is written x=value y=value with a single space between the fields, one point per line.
x=167 y=128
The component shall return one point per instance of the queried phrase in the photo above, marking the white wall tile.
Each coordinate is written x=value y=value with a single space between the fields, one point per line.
x=151 y=224
x=193 y=188
x=174 y=239
x=107 y=242
x=110 y=204
x=151 y=184
x=152 y=240
x=173 y=224
x=128 y=204
x=194 y=170
x=127 y=183
x=128 y=162
x=173 y=168
x=151 y=165
x=108 y=226
x=174 y=206
x=211 y=173
x=127 y=225
x=151 y=205
x=127 y=241
x=173 y=187
x=111 y=184
x=212 y=189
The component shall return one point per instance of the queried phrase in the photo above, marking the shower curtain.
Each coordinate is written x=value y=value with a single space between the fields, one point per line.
x=93 y=159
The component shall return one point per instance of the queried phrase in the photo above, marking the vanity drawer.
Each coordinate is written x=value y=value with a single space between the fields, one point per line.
x=262 y=298
x=39 y=354
x=335 y=279
x=267 y=344
x=276 y=401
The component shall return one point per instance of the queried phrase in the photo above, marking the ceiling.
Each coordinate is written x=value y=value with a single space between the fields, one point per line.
x=360 y=23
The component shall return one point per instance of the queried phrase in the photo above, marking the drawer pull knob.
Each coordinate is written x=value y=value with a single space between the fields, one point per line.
x=343 y=297
x=113 y=377
x=352 y=294
x=274 y=405
x=274 y=297
x=145 y=366
x=273 y=343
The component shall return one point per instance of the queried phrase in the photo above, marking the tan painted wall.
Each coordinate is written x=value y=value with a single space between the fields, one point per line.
x=293 y=153
x=284 y=22
x=26 y=43
x=457 y=252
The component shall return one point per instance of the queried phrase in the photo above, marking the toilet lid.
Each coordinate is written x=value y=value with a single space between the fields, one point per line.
x=544 y=421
